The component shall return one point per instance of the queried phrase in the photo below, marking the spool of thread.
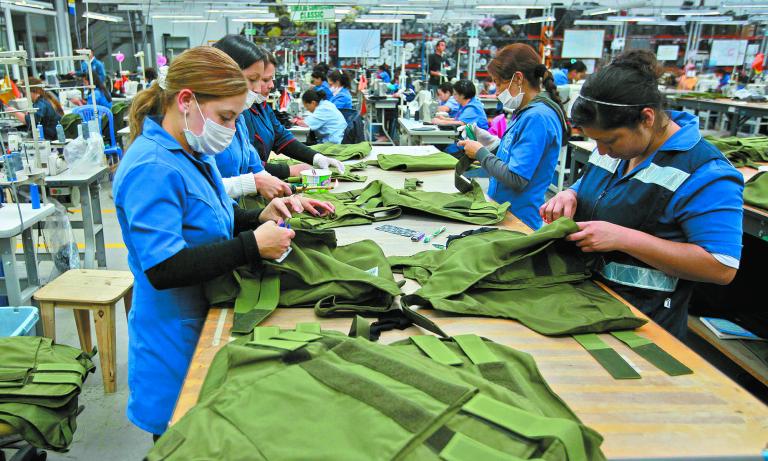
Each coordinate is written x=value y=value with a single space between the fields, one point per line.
x=34 y=196
x=80 y=130
x=84 y=127
x=8 y=167
x=53 y=160
x=40 y=132
x=60 y=133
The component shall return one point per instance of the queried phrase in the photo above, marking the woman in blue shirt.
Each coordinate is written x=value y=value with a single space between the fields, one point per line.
x=661 y=206
x=470 y=111
x=521 y=169
x=48 y=113
x=103 y=97
x=180 y=227
x=325 y=121
x=320 y=82
x=384 y=74
x=340 y=83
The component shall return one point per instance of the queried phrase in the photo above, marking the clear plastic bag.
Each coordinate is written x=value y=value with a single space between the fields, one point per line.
x=85 y=155
x=60 y=241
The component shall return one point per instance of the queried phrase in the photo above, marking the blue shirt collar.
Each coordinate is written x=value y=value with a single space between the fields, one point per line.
x=687 y=136
x=153 y=130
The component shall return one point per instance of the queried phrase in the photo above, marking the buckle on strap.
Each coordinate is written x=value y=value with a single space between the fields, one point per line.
x=640 y=277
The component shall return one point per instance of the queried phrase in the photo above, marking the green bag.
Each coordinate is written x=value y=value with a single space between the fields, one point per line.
x=756 y=190
x=311 y=394
x=344 y=151
x=537 y=279
x=431 y=162
x=39 y=385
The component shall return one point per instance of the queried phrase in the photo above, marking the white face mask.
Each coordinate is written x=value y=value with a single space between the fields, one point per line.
x=250 y=99
x=260 y=98
x=213 y=140
x=511 y=102
x=335 y=90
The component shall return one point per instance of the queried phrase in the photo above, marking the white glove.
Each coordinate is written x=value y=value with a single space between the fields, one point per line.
x=482 y=136
x=321 y=161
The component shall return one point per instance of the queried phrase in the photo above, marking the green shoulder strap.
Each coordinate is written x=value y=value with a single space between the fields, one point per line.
x=360 y=328
x=475 y=348
x=607 y=357
x=436 y=350
x=657 y=356
x=255 y=302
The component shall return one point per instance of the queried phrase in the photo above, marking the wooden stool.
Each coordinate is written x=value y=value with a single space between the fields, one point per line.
x=84 y=291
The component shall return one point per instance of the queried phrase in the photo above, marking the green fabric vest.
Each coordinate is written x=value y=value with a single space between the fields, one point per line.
x=311 y=394
x=379 y=202
x=344 y=151
x=537 y=279
x=431 y=162
x=756 y=191
x=347 y=176
x=742 y=151
x=39 y=385
x=317 y=273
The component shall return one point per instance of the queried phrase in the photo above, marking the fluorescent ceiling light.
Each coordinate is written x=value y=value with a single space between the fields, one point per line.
x=705 y=19
x=596 y=22
x=175 y=16
x=691 y=13
x=744 y=5
x=242 y=11
x=257 y=20
x=512 y=7
x=534 y=20
x=634 y=18
x=102 y=17
x=662 y=23
x=32 y=4
x=342 y=10
x=596 y=11
x=382 y=21
x=193 y=21
x=398 y=11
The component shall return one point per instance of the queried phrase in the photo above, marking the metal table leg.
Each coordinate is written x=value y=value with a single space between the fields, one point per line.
x=98 y=224
x=12 y=283
x=90 y=244
x=30 y=261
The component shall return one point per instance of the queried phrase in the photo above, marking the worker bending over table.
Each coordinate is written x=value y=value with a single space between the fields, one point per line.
x=49 y=111
x=661 y=206
x=325 y=120
x=180 y=227
x=524 y=161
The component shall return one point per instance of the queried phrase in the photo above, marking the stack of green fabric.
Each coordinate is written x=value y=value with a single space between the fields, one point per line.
x=378 y=202
x=431 y=162
x=742 y=151
x=39 y=385
x=756 y=190
x=703 y=95
x=314 y=394
x=344 y=151
x=538 y=279
x=347 y=176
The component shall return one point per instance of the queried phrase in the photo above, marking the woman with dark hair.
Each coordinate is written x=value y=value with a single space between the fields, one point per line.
x=244 y=164
x=326 y=121
x=522 y=167
x=661 y=205
x=103 y=97
x=320 y=81
x=471 y=110
x=384 y=74
x=572 y=71
x=48 y=113
x=341 y=83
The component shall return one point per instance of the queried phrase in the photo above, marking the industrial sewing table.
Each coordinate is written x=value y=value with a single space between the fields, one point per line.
x=657 y=417
x=739 y=111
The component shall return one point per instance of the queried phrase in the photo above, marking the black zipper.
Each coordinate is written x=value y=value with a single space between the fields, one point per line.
x=594 y=208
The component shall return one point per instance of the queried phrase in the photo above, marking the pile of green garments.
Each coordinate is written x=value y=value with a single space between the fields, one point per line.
x=756 y=190
x=316 y=273
x=379 y=201
x=431 y=162
x=347 y=176
x=39 y=385
x=314 y=394
x=703 y=95
x=742 y=151
x=344 y=151
x=539 y=279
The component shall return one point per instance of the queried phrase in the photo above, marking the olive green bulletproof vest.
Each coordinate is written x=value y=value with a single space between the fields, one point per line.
x=344 y=151
x=312 y=394
x=742 y=151
x=39 y=385
x=756 y=191
x=405 y=162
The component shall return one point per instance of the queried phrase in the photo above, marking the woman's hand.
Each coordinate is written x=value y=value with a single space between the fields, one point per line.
x=562 y=204
x=316 y=207
x=273 y=240
x=470 y=147
x=281 y=209
x=600 y=236
x=295 y=170
x=271 y=187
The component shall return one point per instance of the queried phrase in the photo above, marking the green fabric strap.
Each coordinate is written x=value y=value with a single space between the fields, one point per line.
x=463 y=448
x=529 y=425
x=360 y=328
x=657 y=356
x=278 y=344
x=475 y=348
x=265 y=332
x=13 y=374
x=57 y=378
x=607 y=357
x=248 y=295
x=436 y=350
x=65 y=367
x=298 y=336
x=308 y=327
x=268 y=297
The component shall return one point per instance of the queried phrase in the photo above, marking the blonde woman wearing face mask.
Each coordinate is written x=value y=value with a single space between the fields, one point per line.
x=180 y=227
x=524 y=161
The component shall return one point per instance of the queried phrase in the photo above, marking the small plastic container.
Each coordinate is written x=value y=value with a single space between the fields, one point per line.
x=18 y=320
x=315 y=178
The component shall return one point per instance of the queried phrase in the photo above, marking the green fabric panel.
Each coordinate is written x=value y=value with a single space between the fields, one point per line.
x=57 y=378
x=474 y=348
x=71 y=367
x=309 y=327
x=657 y=356
x=412 y=183
x=248 y=296
x=608 y=358
x=742 y=151
x=631 y=339
x=360 y=328
x=405 y=162
x=494 y=274
x=756 y=190
x=591 y=342
x=13 y=374
x=344 y=151
x=529 y=425
x=436 y=350
x=266 y=332
x=463 y=448
x=298 y=336
x=278 y=343
x=267 y=293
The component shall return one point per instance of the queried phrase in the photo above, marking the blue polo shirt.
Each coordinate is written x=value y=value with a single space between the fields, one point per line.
x=342 y=99
x=530 y=147
x=707 y=209
x=473 y=112
x=384 y=76
x=101 y=100
x=453 y=106
x=241 y=156
x=97 y=67
x=326 y=88
x=166 y=200
x=46 y=115
x=561 y=77
x=327 y=123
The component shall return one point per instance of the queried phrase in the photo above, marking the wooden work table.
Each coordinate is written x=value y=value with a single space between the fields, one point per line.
x=657 y=417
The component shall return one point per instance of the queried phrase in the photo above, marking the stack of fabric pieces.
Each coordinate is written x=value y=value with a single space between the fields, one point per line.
x=39 y=385
x=344 y=151
x=403 y=162
x=756 y=190
x=742 y=151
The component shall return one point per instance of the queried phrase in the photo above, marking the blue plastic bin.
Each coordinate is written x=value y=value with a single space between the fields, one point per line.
x=18 y=320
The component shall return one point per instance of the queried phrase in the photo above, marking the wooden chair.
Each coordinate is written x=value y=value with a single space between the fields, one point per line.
x=84 y=291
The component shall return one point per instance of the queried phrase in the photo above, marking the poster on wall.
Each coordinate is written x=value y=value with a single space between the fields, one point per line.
x=727 y=52
x=583 y=44
x=359 y=43
x=667 y=52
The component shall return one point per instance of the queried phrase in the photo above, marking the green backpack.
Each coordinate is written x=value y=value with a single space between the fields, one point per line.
x=312 y=394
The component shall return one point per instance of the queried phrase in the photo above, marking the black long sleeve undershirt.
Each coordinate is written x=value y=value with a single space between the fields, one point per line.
x=295 y=150
x=192 y=266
